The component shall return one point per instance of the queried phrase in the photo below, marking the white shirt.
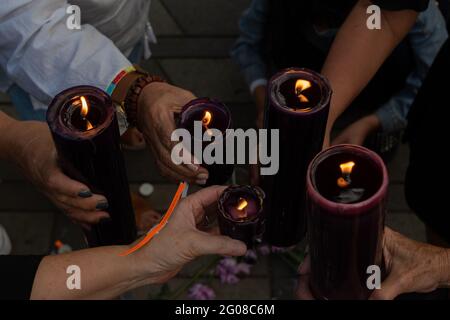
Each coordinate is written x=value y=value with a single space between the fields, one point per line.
x=42 y=56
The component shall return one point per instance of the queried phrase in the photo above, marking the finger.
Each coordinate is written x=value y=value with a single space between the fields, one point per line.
x=164 y=133
x=165 y=128
x=205 y=244
x=171 y=170
x=61 y=183
x=390 y=288
x=192 y=171
x=90 y=218
x=94 y=203
x=199 y=201
x=303 y=291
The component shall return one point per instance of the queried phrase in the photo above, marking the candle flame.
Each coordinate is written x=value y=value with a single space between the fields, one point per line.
x=84 y=107
x=347 y=167
x=300 y=86
x=207 y=117
x=84 y=112
x=242 y=204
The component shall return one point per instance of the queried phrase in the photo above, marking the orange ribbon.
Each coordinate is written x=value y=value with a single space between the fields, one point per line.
x=155 y=230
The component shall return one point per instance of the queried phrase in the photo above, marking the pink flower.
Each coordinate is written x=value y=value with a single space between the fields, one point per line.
x=251 y=257
x=228 y=270
x=264 y=249
x=201 y=292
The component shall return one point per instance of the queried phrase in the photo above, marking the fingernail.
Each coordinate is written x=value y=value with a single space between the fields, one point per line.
x=102 y=205
x=192 y=167
x=202 y=176
x=85 y=194
x=200 y=181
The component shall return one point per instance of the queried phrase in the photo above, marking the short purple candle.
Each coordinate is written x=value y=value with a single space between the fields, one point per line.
x=346 y=187
x=84 y=127
x=213 y=115
x=298 y=104
x=240 y=214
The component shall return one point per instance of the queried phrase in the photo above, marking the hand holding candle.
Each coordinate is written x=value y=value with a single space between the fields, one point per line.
x=346 y=187
x=211 y=115
x=158 y=104
x=180 y=241
x=84 y=127
x=31 y=147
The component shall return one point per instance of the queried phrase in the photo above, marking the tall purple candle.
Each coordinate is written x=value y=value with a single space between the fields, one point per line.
x=346 y=187
x=298 y=105
x=213 y=115
x=84 y=127
x=240 y=214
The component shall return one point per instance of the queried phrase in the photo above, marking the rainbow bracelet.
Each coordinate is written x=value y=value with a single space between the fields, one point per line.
x=117 y=79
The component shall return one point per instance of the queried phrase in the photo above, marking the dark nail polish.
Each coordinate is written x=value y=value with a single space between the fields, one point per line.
x=102 y=205
x=85 y=194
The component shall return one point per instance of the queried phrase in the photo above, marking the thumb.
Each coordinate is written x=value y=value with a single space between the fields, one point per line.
x=390 y=288
x=206 y=244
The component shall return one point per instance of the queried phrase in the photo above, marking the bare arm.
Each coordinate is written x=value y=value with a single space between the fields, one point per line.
x=103 y=274
x=357 y=53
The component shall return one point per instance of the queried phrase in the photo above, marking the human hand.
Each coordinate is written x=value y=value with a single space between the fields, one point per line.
x=33 y=150
x=181 y=241
x=259 y=95
x=411 y=266
x=157 y=105
x=303 y=291
x=357 y=132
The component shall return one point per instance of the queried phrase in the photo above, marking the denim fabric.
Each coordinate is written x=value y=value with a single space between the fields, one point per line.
x=426 y=38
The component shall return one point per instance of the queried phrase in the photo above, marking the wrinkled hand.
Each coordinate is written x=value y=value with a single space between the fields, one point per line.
x=411 y=266
x=158 y=104
x=181 y=242
x=357 y=132
x=34 y=152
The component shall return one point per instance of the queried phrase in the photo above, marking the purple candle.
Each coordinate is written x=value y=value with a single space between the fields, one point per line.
x=240 y=214
x=212 y=115
x=298 y=105
x=346 y=187
x=84 y=127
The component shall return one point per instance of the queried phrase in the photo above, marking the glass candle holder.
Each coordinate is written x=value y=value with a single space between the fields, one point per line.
x=83 y=124
x=347 y=189
x=297 y=105
x=240 y=214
